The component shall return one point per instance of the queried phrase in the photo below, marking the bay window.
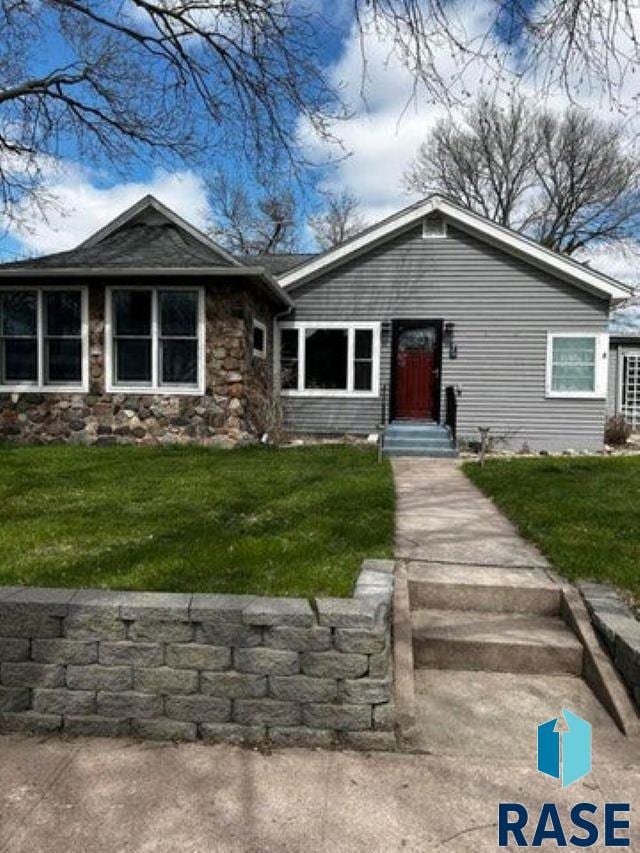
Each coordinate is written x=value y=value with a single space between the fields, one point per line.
x=155 y=340
x=576 y=364
x=329 y=359
x=43 y=339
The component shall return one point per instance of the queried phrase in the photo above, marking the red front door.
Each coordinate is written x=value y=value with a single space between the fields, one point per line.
x=415 y=379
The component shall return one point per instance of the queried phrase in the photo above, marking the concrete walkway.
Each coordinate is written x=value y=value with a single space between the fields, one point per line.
x=516 y=671
x=442 y=517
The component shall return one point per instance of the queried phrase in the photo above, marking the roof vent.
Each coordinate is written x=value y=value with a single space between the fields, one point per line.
x=434 y=226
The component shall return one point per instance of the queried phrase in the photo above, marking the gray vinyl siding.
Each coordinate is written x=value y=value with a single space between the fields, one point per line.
x=502 y=309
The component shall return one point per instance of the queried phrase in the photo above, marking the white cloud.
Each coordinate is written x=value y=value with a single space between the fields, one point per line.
x=391 y=118
x=80 y=206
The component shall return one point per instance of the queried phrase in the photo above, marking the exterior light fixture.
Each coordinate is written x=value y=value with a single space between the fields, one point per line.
x=449 y=329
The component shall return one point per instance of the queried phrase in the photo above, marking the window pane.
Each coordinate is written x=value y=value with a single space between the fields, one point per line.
x=573 y=378
x=178 y=314
x=132 y=312
x=574 y=350
x=574 y=364
x=364 y=343
x=289 y=358
x=133 y=361
x=18 y=313
x=62 y=313
x=20 y=360
x=63 y=360
x=326 y=358
x=258 y=339
x=362 y=376
x=179 y=362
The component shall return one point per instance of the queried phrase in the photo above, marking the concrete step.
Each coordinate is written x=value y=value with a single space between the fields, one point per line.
x=417 y=441
x=420 y=451
x=435 y=431
x=445 y=586
x=495 y=642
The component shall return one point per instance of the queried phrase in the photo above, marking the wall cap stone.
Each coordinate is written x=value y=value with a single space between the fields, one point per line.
x=294 y=612
x=619 y=629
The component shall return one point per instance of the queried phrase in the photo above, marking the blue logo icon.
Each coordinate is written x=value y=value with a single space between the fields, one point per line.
x=565 y=755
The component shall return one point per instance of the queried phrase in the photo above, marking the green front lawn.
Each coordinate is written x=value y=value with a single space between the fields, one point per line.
x=255 y=520
x=584 y=514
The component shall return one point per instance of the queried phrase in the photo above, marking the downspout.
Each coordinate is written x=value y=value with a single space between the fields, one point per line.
x=276 y=349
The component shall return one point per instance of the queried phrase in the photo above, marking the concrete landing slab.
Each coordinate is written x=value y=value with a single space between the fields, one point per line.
x=495 y=715
x=443 y=517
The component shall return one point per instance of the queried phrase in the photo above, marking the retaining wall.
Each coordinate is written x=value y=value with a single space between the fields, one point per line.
x=618 y=629
x=232 y=668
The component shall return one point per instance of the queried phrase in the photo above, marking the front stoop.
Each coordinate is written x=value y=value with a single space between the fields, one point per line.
x=411 y=438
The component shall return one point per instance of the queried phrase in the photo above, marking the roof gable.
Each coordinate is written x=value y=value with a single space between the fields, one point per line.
x=152 y=213
x=503 y=238
x=147 y=235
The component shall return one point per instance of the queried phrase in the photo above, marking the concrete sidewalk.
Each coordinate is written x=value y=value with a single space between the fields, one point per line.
x=443 y=517
x=102 y=796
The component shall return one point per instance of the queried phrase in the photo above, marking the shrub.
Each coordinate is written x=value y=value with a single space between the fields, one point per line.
x=616 y=430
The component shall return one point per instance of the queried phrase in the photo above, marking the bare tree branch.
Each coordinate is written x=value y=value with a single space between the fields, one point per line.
x=341 y=219
x=261 y=224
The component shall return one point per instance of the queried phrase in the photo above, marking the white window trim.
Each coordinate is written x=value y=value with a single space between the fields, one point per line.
x=154 y=388
x=258 y=324
x=351 y=328
x=67 y=388
x=601 y=369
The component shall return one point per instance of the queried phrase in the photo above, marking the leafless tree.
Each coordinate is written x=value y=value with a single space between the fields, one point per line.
x=588 y=185
x=265 y=221
x=486 y=161
x=341 y=218
x=179 y=77
x=567 y=180
x=116 y=78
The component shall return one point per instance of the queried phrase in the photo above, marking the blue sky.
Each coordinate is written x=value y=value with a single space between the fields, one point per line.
x=379 y=142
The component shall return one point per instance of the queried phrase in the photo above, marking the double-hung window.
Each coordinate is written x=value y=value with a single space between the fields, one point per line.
x=155 y=340
x=329 y=359
x=43 y=339
x=576 y=364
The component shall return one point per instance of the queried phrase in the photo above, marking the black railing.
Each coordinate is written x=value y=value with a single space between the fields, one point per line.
x=383 y=407
x=451 y=412
x=382 y=426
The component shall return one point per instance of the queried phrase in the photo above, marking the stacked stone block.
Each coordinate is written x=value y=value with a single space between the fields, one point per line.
x=619 y=630
x=241 y=669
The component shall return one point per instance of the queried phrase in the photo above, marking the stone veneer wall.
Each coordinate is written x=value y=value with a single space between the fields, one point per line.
x=225 y=415
x=618 y=629
x=218 y=667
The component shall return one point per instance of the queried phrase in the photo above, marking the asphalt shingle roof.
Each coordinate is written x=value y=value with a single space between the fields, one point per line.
x=275 y=264
x=134 y=245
